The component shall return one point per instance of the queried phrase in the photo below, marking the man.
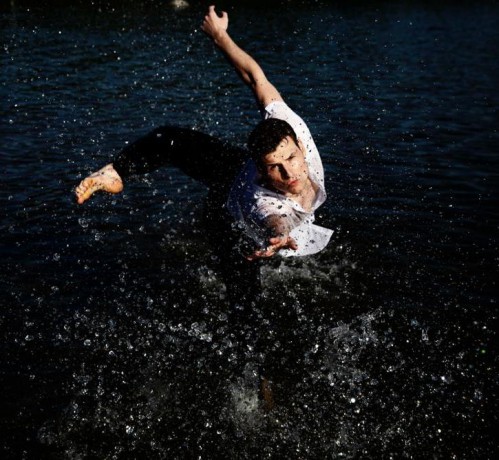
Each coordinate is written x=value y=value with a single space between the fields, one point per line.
x=270 y=197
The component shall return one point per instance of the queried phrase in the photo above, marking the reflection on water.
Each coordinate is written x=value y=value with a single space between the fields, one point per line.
x=116 y=336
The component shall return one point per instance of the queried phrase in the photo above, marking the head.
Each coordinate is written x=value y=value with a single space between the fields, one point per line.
x=279 y=156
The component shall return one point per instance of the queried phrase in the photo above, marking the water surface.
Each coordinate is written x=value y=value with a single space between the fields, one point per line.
x=114 y=327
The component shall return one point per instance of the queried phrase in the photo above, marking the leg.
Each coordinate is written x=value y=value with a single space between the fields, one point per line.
x=205 y=158
x=200 y=156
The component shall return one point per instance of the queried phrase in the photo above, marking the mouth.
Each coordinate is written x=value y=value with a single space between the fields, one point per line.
x=287 y=186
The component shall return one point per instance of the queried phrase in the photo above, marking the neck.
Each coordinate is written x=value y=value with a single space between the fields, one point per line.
x=306 y=197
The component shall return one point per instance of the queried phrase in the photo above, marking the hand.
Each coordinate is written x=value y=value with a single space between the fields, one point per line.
x=276 y=243
x=213 y=25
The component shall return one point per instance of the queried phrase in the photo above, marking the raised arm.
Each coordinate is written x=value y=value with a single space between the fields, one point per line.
x=247 y=68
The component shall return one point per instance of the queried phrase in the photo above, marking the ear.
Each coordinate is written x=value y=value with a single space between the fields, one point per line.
x=301 y=146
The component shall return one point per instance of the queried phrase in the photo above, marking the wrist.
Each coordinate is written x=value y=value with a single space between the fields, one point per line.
x=220 y=37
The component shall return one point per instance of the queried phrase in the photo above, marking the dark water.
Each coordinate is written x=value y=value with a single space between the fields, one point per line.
x=115 y=339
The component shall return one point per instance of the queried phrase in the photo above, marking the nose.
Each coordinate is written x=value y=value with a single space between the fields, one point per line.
x=285 y=173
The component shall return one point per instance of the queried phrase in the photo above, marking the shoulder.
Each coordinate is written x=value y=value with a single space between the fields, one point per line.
x=277 y=109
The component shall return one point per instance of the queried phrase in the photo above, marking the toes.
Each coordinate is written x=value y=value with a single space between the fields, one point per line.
x=81 y=191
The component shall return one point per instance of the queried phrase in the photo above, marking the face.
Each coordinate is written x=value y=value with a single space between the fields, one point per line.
x=285 y=169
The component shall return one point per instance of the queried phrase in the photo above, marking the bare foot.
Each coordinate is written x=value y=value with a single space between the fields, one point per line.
x=106 y=179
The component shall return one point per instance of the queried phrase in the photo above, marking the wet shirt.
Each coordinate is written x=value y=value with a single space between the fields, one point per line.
x=251 y=204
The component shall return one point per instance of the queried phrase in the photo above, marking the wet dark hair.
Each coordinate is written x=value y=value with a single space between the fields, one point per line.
x=267 y=136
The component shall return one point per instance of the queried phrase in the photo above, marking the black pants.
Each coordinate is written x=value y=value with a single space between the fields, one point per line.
x=215 y=164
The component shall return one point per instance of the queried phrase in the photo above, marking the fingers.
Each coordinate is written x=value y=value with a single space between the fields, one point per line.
x=283 y=242
x=276 y=244
x=209 y=14
x=264 y=254
x=276 y=240
x=212 y=21
x=209 y=19
x=212 y=13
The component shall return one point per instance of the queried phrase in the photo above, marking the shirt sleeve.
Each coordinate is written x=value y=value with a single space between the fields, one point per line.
x=281 y=111
x=269 y=206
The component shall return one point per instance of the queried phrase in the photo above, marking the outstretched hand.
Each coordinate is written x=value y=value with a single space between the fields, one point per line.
x=214 y=24
x=276 y=244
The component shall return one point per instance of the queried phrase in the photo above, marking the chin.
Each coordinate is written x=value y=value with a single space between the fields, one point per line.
x=294 y=190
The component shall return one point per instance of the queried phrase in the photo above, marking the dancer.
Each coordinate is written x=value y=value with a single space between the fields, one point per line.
x=262 y=200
